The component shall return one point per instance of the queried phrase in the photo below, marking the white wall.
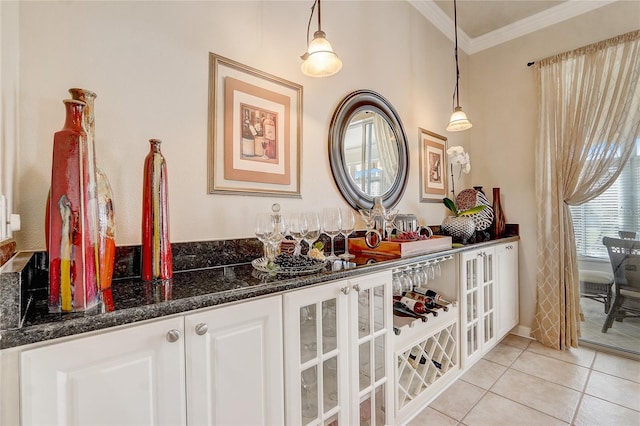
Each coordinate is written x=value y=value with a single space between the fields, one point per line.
x=504 y=105
x=148 y=63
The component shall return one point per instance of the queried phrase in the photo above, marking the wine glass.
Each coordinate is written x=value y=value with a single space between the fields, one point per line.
x=396 y=284
x=264 y=230
x=312 y=222
x=368 y=218
x=331 y=225
x=308 y=382
x=297 y=229
x=348 y=226
x=390 y=222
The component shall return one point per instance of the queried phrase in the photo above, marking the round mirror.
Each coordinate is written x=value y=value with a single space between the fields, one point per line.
x=368 y=150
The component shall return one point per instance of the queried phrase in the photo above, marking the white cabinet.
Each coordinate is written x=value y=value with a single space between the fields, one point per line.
x=507 y=287
x=133 y=376
x=489 y=298
x=478 y=302
x=234 y=364
x=338 y=352
x=233 y=372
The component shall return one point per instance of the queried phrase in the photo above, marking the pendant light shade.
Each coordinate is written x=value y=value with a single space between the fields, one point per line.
x=458 y=120
x=319 y=60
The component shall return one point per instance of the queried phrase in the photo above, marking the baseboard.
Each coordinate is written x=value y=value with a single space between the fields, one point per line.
x=522 y=331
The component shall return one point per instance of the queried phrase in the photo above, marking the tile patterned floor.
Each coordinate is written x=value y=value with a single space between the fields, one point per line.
x=521 y=382
x=624 y=335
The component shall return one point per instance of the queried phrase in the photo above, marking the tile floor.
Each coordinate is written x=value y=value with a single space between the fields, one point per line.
x=624 y=335
x=521 y=382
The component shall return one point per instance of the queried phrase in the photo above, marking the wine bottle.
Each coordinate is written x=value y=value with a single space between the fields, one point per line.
x=269 y=129
x=427 y=301
x=436 y=297
x=403 y=310
x=247 y=136
x=413 y=356
x=417 y=306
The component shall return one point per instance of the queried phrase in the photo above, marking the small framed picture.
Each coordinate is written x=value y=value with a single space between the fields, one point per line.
x=433 y=166
x=255 y=128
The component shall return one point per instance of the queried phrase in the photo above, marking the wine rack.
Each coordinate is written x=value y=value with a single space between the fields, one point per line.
x=427 y=354
x=423 y=365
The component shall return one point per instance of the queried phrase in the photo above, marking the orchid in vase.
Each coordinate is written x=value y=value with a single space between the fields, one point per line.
x=460 y=225
x=457 y=156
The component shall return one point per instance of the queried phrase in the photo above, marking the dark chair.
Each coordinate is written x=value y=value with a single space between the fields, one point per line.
x=625 y=262
x=628 y=235
x=597 y=285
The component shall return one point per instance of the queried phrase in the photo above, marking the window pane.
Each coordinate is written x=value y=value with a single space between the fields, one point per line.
x=617 y=209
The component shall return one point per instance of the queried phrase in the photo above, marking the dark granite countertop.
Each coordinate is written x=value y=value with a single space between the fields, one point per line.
x=200 y=284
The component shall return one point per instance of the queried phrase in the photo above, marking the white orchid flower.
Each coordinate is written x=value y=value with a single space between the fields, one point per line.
x=459 y=159
x=455 y=151
x=466 y=167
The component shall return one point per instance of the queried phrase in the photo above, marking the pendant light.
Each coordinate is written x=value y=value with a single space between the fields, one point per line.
x=319 y=60
x=458 y=120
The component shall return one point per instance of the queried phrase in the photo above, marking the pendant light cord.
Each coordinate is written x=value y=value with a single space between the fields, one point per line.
x=313 y=8
x=456 y=95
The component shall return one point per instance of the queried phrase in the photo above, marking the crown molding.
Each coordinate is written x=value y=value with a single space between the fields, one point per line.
x=551 y=16
x=442 y=22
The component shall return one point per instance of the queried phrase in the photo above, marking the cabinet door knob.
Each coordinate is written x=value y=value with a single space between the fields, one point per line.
x=201 y=329
x=357 y=288
x=345 y=290
x=173 y=335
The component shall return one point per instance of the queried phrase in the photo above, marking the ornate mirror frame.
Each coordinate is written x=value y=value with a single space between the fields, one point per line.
x=354 y=103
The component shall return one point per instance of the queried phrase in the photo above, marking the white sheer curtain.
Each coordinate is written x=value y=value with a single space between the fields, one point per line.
x=388 y=150
x=589 y=120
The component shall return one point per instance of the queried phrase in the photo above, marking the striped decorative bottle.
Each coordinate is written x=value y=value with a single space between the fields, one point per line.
x=157 y=262
x=72 y=243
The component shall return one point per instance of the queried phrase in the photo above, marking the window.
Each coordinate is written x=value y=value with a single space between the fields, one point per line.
x=617 y=209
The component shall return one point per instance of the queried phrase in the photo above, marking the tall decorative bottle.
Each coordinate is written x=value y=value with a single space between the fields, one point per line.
x=499 y=221
x=106 y=216
x=72 y=244
x=156 y=246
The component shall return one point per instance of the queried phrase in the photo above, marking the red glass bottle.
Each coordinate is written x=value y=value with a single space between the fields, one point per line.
x=157 y=262
x=104 y=193
x=106 y=215
x=72 y=244
x=499 y=222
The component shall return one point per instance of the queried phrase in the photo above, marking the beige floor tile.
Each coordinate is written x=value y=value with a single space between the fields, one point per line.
x=503 y=354
x=553 y=370
x=495 y=410
x=484 y=373
x=579 y=356
x=614 y=389
x=624 y=335
x=617 y=366
x=516 y=341
x=595 y=411
x=431 y=417
x=550 y=398
x=458 y=399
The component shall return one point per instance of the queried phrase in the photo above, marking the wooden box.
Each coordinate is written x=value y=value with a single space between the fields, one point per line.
x=402 y=248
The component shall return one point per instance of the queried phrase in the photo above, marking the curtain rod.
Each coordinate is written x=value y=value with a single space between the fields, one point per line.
x=632 y=35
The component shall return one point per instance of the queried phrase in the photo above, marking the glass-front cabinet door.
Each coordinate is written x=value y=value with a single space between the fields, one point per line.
x=316 y=355
x=478 y=303
x=337 y=353
x=371 y=350
x=488 y=298
x=470 y=295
